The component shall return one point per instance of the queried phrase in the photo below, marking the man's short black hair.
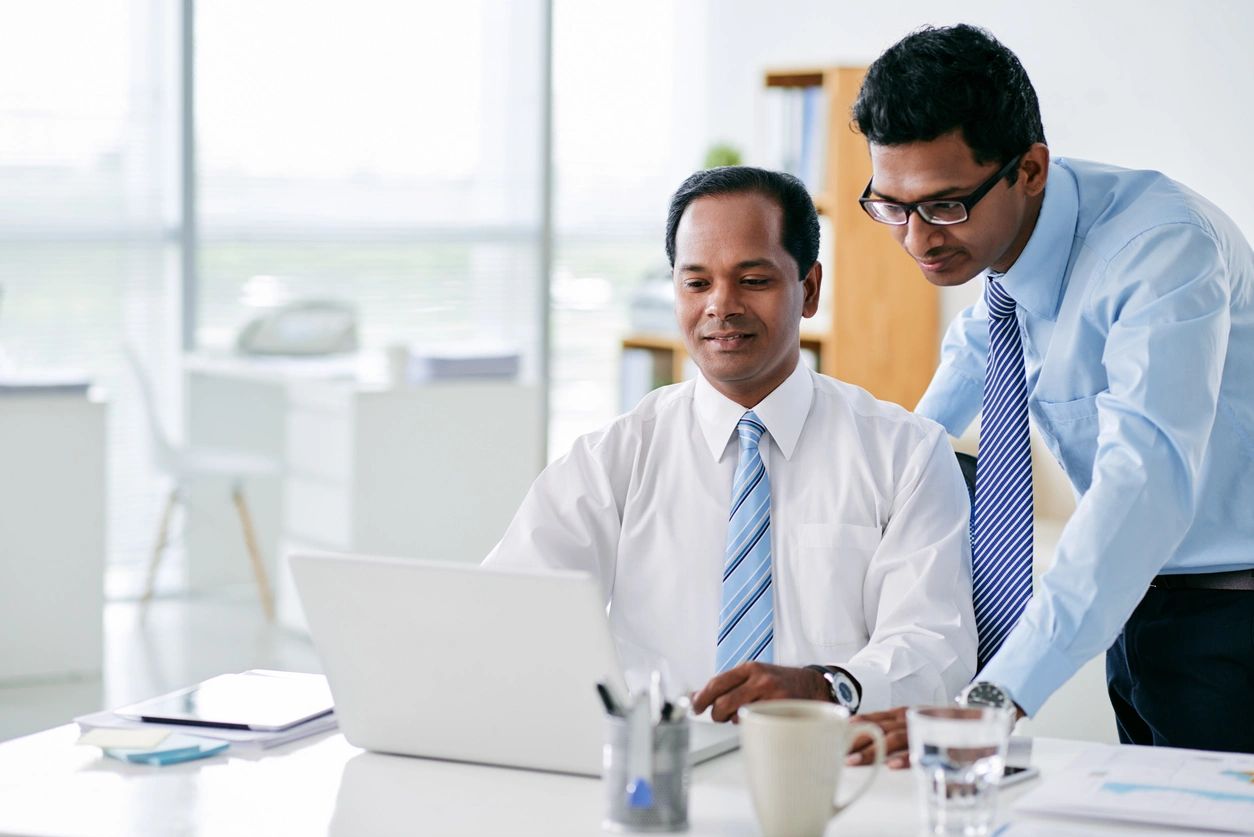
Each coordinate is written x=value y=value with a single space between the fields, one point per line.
x=800 y=233
x=936 y=80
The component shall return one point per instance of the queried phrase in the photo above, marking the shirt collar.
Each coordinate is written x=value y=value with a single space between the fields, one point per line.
x=783 y=412
x=1035 y=280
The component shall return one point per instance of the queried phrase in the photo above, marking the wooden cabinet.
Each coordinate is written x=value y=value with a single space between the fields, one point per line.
x=881 y=317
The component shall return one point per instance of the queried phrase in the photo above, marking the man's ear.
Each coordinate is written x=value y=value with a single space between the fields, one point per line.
x=1034 y=169
x=811 y=283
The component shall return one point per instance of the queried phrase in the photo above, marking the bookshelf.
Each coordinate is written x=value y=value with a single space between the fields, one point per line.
x=881 y=317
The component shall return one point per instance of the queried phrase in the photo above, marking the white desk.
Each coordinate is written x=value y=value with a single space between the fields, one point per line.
x=48 y=786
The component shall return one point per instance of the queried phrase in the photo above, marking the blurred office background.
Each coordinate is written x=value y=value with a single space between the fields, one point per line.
x=475 y=193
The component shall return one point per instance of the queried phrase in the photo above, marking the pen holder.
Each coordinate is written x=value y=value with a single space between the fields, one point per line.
x=646 y=782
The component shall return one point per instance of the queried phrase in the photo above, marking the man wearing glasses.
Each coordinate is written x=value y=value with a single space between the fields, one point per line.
x=1118 y=311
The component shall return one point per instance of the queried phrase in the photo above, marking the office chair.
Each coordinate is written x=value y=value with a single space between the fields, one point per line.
x=966 y=463
x=186 y=465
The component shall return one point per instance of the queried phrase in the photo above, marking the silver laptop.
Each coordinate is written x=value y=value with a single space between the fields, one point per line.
x=450 y=661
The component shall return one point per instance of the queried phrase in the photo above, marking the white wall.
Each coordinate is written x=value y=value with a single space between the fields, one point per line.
x=1162 y=84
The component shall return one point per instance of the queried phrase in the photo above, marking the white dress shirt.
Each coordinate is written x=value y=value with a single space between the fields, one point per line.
x=870 y=551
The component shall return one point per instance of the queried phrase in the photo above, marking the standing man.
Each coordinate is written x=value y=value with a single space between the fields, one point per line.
x=763 y=531
x=1118 y=311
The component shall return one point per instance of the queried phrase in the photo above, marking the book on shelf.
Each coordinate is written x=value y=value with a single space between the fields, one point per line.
x=796 y=125
x=640 y=372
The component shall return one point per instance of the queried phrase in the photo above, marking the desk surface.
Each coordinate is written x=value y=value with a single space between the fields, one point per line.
x=323 y=785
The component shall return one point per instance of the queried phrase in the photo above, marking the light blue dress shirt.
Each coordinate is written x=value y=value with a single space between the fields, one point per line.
x=1136 y=307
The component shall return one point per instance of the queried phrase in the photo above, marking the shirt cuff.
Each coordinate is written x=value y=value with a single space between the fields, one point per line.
x=875 y=691
x=951 y=400
x=1029 y=667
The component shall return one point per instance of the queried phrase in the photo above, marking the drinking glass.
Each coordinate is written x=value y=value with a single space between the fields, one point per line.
x=958 y=755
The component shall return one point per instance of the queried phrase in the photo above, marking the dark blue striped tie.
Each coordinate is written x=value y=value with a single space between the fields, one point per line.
x=1001 y=521
x=746 y=625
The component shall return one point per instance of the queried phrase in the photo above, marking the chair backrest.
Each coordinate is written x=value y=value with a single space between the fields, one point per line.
x=162 y=450
x=966 y=462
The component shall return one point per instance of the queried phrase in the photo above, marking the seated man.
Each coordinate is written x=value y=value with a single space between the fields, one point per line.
x=763 y=517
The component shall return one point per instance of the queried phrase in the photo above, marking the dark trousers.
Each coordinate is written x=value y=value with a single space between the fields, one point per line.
x=1181 y=673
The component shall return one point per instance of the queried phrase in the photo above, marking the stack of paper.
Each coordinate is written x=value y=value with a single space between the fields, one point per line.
x=44 y=383
x=241 y=739
x=467 y=360
x=254 y=709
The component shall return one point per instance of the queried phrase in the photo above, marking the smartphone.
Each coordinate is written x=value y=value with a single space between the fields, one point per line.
x=1015 y=775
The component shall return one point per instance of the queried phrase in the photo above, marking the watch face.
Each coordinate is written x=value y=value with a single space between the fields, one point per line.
x=845 y=692
x=987 y=694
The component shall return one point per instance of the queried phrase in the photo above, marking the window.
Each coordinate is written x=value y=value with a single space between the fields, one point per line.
x=385 y=154
x=87 y=253
x=620 y=151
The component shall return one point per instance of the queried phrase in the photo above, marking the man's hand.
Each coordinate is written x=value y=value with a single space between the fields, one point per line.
x=896 y=745
x=749 y=682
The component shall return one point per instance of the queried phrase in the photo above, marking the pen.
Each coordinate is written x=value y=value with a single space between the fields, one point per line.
x=681 y=707
x=607 y=698
x=640 y=752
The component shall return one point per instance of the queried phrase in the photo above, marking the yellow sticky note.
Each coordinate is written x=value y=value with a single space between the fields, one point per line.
x=140 y=738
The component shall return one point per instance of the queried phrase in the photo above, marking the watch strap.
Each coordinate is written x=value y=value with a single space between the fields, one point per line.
x=828 y=672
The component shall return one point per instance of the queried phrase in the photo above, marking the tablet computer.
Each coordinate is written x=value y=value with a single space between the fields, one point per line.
x=257 y=700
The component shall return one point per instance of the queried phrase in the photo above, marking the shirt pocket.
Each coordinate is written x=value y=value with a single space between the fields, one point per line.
x=1070 y=432
x=830 y=565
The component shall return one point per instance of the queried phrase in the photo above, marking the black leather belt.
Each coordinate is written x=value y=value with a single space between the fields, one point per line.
x=1235 y=580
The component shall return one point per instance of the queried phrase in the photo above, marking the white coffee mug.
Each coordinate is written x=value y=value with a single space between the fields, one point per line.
x=794 y=751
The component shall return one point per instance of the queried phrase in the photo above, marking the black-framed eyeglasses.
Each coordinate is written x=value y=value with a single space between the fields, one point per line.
x=943 y=212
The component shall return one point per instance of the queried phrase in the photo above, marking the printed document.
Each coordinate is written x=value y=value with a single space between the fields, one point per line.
x=1158 y=785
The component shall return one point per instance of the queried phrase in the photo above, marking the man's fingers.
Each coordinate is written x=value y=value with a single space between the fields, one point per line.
x=725 y=705
x=719 y=684
x=896 y=740
x=891 y=734
x=750 y=682
x=886 y=720
x=896 y=745
x=894 y=716
x=862 y=744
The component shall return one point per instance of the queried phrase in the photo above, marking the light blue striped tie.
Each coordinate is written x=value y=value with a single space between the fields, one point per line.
x=1001 y=521
x=746 y=625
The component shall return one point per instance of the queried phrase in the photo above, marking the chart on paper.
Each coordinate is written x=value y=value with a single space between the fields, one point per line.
x=1190 y=788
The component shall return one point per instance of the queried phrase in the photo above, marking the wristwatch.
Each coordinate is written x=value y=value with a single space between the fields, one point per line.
x=845 y=689
x=986 y=693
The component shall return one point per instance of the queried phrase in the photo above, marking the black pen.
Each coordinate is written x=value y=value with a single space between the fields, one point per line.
x=608 y=699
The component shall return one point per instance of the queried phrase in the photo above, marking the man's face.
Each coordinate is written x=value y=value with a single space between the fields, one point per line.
x=999 y=225
x=738 y=297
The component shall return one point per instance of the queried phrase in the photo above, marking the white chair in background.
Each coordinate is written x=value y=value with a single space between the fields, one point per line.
x=186 y=465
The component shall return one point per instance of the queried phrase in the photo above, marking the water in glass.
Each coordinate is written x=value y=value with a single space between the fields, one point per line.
x=958 y=756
